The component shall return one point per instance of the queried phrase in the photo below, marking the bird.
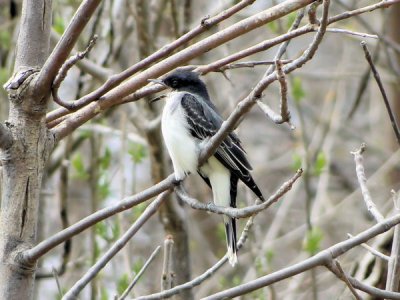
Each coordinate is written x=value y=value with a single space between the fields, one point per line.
x=189 y=120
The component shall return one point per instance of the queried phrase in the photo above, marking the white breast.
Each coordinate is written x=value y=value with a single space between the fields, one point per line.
x=182 y=147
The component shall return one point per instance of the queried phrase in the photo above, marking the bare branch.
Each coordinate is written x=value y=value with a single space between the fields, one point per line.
x=133 y=84
x=45 y=246
x=372 y=209
x=383 y=92
x=140 y=273
x=320 y=259
x=167 y=276
x=336 y=269
x=6 y=139
x=350 y=32
x=119 y=244
x=66 y=44
x=244 y=106
x=240 y=212
x=69 y=63
x=115 y=80
x=393 y=273
x=373 y=251
x=207 y=274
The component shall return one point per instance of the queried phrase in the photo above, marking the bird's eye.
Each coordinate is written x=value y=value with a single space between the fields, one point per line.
x=174 y=83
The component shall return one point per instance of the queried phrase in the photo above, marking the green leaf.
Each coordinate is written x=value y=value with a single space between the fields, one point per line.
x=103 y=187
x=269 y=256
x=273 y=26
x=5 y=39
x=122 y=283
x=298 y=92
x=137 y=265
x=320 y=163
x=137 y=152
x=79 y=167
x=4 y=75
x=116 y=231
x=290 y=19
x=105 y=159
x=312 y=242
x=103 y=293
x=101 y=230
x=59 y=25
x=296 y=161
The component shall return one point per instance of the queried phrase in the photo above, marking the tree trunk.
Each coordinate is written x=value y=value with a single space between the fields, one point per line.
x=24 y=161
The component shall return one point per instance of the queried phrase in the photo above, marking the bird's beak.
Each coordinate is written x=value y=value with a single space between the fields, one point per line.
x=157 y=99
x=157 y=81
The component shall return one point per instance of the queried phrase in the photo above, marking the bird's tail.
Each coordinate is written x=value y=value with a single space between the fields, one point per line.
x=231 y=239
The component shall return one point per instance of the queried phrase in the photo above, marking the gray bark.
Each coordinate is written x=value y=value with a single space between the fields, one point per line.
x=24 y=161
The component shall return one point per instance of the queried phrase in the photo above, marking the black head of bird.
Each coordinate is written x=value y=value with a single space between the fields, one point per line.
x=182 y=80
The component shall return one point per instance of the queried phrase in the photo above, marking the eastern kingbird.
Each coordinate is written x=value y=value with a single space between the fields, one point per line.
x=189 y=119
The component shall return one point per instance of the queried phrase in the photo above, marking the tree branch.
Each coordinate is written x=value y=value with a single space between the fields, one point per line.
x=66 y=44
x=140 y=273
x=238 y=213
x=119 y=244
x=115 y=80
x=69 y=63
x=213 y=41
x=208 y=273
x=372 y=209
x=45 y=246
x=383 y=92
x=320 y=259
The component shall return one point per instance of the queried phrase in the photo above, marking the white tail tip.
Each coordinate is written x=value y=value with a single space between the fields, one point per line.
x=232 y=257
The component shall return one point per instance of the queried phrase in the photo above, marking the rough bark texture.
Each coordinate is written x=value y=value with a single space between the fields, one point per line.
x=24 y=161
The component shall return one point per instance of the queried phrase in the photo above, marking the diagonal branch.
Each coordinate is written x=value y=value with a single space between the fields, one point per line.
x=383 y=92
x=115 y=80
x=45 y=246
x=119 y=244
x=320 y=259
x=66 y=44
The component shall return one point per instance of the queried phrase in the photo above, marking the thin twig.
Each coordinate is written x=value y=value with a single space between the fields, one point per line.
x=119 y=244
x=393 y=273
x=350 y=32
x=383 y=92
x=167 y=275
x=362 y=180
x=238 y=213
x=69 y=63
x=140 y=273
x=373 y=251
x=342 y=275
x=207 y=274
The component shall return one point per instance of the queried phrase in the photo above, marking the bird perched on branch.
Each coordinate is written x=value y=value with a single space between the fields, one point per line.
x=189 y=119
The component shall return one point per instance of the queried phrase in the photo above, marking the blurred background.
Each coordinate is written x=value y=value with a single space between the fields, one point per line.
x=334 y=104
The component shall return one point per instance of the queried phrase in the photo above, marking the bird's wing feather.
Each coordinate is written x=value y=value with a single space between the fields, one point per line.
x=203 y=123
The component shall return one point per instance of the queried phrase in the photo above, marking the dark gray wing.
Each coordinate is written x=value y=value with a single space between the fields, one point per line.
x=203 y=123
